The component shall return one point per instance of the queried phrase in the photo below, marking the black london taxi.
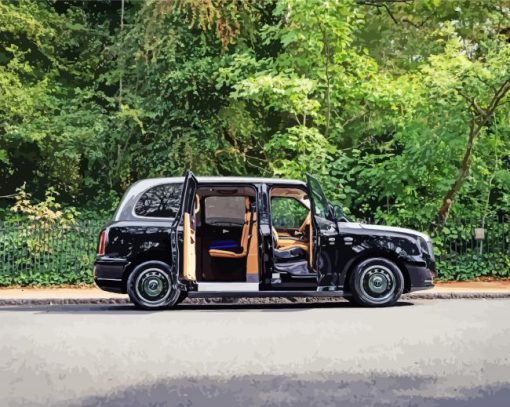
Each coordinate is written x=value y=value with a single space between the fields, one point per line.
x=179 y=237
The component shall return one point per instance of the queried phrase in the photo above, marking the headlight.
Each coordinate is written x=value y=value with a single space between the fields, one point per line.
x=431 y=250
x=426 y=246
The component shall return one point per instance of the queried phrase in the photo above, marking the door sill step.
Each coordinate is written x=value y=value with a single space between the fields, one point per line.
x=308 y=275
x=228 y=287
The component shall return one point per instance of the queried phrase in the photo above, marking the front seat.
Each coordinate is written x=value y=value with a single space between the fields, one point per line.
x=284 y=242
x=291 y=252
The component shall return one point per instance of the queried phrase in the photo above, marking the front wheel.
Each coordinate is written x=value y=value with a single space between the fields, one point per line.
x=150 y=286
x=376 y=282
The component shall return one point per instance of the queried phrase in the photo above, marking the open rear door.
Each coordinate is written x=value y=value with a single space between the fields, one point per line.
x=322 y=234
x=184 y=258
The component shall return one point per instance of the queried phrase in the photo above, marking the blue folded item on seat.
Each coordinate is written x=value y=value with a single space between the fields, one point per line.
x=224 y=244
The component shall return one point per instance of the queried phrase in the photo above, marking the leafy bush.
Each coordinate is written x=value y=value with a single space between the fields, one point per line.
x=43 y=244
x=473 y=265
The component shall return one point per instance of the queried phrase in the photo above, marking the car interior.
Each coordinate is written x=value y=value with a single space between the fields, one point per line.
x=292 y=232
x=224 y=240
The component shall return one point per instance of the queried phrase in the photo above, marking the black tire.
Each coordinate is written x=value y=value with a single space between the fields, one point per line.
x=376 y=282
x=151 y=286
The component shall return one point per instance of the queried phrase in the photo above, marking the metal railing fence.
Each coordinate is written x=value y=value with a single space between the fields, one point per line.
x=468 y=248
x=45 y=253
x=42 y=253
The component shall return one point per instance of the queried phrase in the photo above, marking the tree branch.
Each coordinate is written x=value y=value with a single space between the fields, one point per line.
x=476 y=124
x=390 y=13
x=385 y=5
x=472 y=103
x=500 y=94
x=8 y=196
x=380 y=2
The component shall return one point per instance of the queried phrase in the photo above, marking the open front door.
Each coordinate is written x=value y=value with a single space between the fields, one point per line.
x=185 y=258
x=323 y=234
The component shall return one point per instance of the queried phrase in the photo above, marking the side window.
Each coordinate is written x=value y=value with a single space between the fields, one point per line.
x=287 y=213
x=224 y=210
x=161 y=201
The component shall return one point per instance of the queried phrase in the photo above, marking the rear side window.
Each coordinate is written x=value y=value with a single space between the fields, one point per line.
x=224 y=210
x=161 y=201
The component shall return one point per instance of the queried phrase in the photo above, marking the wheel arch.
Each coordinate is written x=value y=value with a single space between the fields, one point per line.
x=151 y=255
x=391 y=256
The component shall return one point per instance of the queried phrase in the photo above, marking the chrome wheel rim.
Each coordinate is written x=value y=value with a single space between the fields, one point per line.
x=378 y=283
x=153 y=286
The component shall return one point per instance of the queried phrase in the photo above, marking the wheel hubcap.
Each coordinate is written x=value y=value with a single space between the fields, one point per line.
x=153 y=286
x=378 y=283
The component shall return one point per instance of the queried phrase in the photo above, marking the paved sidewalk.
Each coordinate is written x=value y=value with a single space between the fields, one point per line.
x=50 y=296
x=92 y=295
x=479 y=286
x=466 y=289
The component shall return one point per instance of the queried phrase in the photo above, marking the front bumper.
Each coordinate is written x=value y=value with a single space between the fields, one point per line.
x=422 y=278
x=109 y=274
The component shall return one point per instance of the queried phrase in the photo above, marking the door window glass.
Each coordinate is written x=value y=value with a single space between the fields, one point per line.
x=161 y=201
x=320 y=206
x=320 y=203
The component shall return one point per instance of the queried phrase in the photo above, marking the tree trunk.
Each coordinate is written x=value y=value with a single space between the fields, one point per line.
x=463 y=173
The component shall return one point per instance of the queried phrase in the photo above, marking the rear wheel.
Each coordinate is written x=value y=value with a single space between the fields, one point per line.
x=150 y=286
x=376 y=282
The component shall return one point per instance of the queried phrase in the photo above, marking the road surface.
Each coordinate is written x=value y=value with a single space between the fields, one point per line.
x=424 y=353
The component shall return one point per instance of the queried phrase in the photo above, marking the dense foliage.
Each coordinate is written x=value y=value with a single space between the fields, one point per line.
x=400 y=107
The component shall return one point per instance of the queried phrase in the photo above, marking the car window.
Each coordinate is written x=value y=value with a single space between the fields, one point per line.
x=287 y=213
x=161 y=201
x=224 y=210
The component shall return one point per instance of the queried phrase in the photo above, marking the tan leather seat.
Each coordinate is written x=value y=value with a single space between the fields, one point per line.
x=287 y=244
x=244 y=238
x=284 y=243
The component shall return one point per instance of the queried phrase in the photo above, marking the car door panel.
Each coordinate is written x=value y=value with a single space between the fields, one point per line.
x=183 y=231
x=324 y=235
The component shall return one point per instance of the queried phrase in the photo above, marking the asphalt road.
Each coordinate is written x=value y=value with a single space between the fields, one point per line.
x=424 y=353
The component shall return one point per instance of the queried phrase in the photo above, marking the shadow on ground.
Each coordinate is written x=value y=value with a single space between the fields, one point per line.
x=211 y=307
x=323 y=390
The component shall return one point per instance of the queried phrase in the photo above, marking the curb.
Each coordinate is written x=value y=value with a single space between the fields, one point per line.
x=456 y=295
x=253 y=301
